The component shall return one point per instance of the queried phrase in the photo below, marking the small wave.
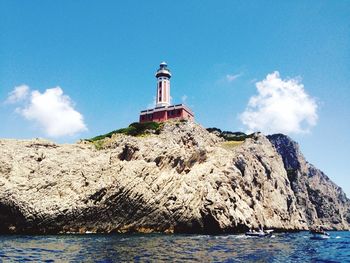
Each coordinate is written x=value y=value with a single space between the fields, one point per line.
x=337 y=237
x=231 y=237
x=199 y=237
x=221 y=237
x=241 y=236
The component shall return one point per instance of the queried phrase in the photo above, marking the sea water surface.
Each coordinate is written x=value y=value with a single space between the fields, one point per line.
x=281 y=247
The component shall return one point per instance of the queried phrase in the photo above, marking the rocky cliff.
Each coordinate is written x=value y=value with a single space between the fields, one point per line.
x=183 y=179
x=319 y=199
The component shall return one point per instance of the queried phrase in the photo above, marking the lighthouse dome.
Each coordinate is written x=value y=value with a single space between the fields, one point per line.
x=163 y=70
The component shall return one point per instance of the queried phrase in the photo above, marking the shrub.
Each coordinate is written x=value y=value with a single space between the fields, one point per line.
x=211 y=130
x=134 y=129
x=230 y=136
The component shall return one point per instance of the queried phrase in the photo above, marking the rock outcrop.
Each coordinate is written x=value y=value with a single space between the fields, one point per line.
x=320 y=200
x=184 y=179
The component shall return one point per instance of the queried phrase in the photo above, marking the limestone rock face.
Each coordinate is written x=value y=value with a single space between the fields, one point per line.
x=183 y=180
x=322 y=201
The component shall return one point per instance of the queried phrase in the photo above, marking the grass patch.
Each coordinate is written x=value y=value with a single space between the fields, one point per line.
x=228 y=145
x=134 y=129
x=98 y=144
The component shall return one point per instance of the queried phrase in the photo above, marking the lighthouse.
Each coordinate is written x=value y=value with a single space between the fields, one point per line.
x=164 y=110
x=163 y=76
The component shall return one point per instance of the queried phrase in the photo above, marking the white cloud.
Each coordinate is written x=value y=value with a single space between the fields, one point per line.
x=281 y=106
x=52 y=110
x=232 y=77
x=184 y=99
x=19 y=93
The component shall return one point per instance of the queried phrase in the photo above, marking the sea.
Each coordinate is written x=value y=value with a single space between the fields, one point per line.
x=281 y=247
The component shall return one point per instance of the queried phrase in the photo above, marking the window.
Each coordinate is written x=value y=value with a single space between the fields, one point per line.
x=164 y=91
x=160 y=93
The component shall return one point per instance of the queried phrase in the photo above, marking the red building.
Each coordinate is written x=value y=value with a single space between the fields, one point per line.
x=163 y=110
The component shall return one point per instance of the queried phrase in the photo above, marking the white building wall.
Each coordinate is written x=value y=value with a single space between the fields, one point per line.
x=164 y=90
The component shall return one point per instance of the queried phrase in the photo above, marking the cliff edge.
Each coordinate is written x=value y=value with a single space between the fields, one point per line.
x=183 y=180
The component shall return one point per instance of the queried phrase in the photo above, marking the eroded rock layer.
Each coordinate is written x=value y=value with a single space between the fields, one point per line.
x=183 y=180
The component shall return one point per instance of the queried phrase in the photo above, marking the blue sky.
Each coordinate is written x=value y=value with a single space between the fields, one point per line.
x=103 y=55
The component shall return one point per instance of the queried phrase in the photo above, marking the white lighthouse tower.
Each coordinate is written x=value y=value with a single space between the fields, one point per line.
x=163 y=76
x=163 y=110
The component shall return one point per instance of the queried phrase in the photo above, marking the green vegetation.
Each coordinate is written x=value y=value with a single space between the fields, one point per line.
x=134 y=129
x=231 y=144
x=230 y=136
x=98 y=144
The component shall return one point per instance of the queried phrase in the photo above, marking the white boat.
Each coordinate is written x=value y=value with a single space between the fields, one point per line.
x=260 y=233
x=319 y=235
